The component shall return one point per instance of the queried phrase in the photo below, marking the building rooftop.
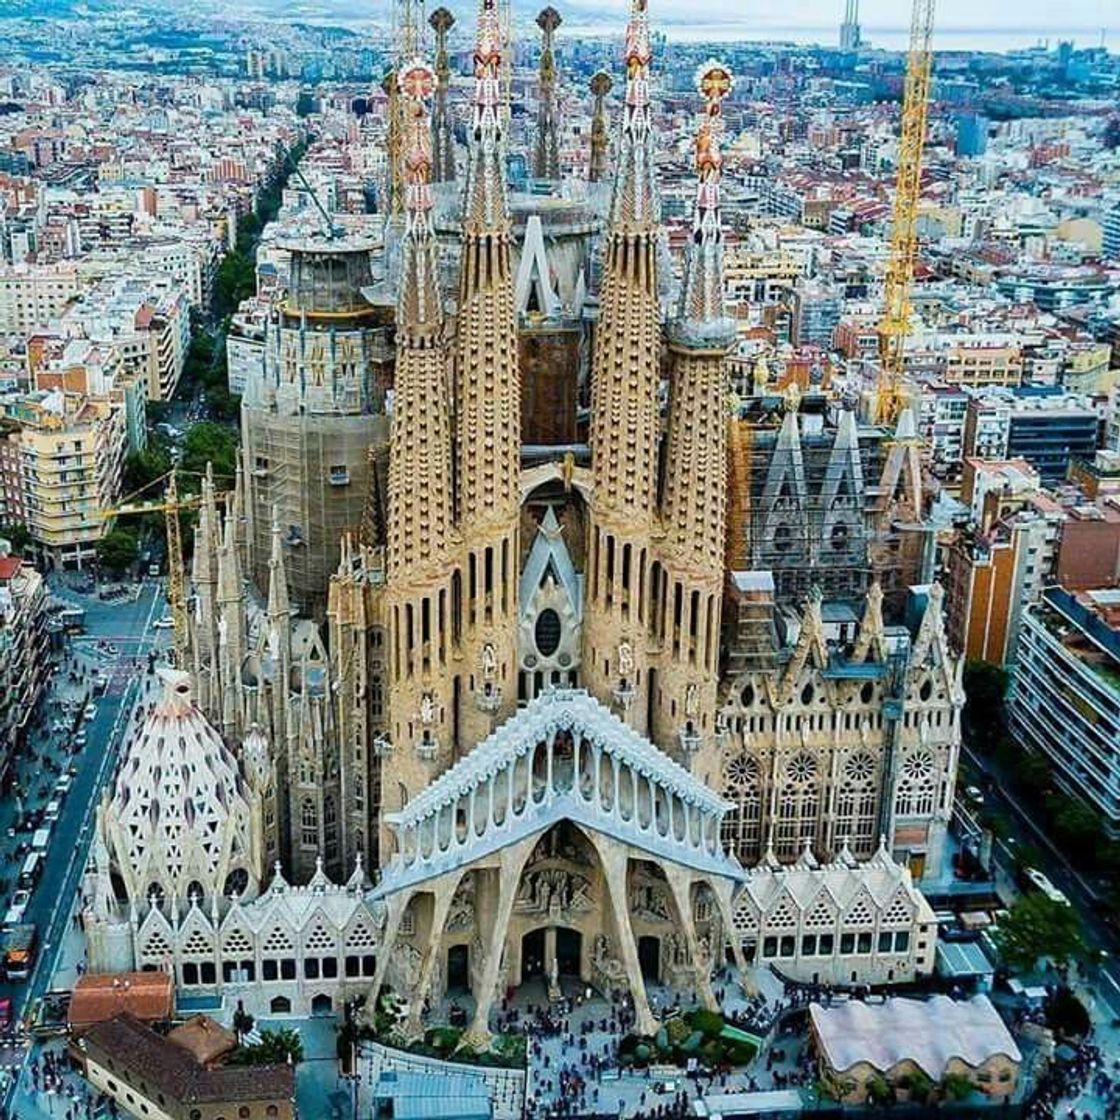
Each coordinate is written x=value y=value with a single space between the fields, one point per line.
x=170 y=1069
x=99 y=996
x=930 y=1033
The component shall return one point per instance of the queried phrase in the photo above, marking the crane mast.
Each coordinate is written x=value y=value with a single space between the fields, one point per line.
x=894 y=327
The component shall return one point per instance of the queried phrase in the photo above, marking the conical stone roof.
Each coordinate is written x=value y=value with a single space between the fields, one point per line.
x=180 y=821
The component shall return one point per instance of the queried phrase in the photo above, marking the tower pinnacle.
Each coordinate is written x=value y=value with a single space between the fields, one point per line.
x=701 y=318
x=635 y=203
x=546 y=155
x=484 y=205
x=443 y=144
x=600 y=86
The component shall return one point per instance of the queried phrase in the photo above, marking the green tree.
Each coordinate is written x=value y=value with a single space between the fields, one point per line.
x=985 y=685
x=16 y=535
x=1077 y=825
x=955 y=1086
x=276 y=1048
x=117 y=549
x=142 y=468
x=1037 y=927
x=1066 y=1014
x=209 y=443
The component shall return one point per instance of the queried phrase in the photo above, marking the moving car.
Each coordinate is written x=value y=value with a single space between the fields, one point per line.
x=17 y=908
x=974 y=794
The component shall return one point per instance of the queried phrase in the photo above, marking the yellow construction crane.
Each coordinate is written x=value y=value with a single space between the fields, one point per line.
x=169 y=506
x=895 y=324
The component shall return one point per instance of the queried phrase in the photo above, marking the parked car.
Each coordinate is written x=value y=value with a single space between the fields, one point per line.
x=62 y=786
x=974 y=794
x=89 y=713
x=165 y=623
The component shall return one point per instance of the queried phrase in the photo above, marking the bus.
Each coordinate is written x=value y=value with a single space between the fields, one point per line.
x=30 y=872
x=18 y=946
x=1032 y=880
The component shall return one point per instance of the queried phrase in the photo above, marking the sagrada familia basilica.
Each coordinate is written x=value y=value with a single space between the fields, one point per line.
x=624 y=685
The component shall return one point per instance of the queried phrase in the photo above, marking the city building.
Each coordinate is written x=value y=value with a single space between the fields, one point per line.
x=857 y=1043
x=972 y=135
x=23 y=650
x=148 y=1074
x=1065 y=693
x=70 y=451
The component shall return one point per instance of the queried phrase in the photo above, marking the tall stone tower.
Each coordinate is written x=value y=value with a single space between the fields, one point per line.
x=489 y=409
x=600 y=86
x=546 y=153
x=421 y=509
x=625 y=417
x=688 y=587
x=443 y=141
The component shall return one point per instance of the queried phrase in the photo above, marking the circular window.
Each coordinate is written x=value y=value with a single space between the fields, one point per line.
x=918 y=767
x=741 y=773
x=547 y=632
x=839 y=537
x=860 y=767
x=801 y=768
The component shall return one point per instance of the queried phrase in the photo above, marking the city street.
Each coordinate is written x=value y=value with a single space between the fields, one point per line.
x=115 y=646
x=999 y=799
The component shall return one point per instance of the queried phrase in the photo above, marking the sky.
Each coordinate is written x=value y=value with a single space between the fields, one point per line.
x=960 y=24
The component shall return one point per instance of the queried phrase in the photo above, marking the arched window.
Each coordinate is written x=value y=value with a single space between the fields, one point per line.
x=309 y=823
x=857 y=803
x=917 y=784
x=798 y=805
x=742 y=787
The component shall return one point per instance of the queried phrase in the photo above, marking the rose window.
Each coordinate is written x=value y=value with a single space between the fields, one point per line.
x=860 y=767
x=918 y=767
x=801 y=768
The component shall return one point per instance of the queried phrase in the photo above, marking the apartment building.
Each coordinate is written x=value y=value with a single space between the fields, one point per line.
x=1065 y=695
x=147 y=317
x=23 y=649
x=70 y=451
x=33 y=295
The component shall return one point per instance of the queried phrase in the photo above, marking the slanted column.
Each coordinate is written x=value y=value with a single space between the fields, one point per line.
x=550 y=789
x=490 y=822
x=615 y=861
x=721 y=888
x=511 y=863
x=396 y=905
x=597 y=756
x=445 y=888
x=680 y=883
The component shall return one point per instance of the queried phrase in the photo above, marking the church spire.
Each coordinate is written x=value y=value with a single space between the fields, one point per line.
x=546 y=154
x=701 y=318
x=488 y=414
x=484 y=206
x=625 y=407
x=443 y=142
x=278 y=604
x=600 y=87
x=420 y=496
x=693 y=510
x=635 y=204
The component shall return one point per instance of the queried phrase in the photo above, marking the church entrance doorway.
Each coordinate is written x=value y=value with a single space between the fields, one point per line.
x=459 y=968
x=569 y=948
x=533 y=964
x=649 y=957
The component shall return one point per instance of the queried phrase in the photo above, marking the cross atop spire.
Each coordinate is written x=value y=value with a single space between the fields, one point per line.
x=701 y=317
x=484 y=210
x=635 y=205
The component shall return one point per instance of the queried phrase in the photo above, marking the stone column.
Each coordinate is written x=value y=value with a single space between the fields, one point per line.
x=721 y=888
x=444 y=889
x=680 y=883
x=511 y=862
x=396 y=905
x=615 y=860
